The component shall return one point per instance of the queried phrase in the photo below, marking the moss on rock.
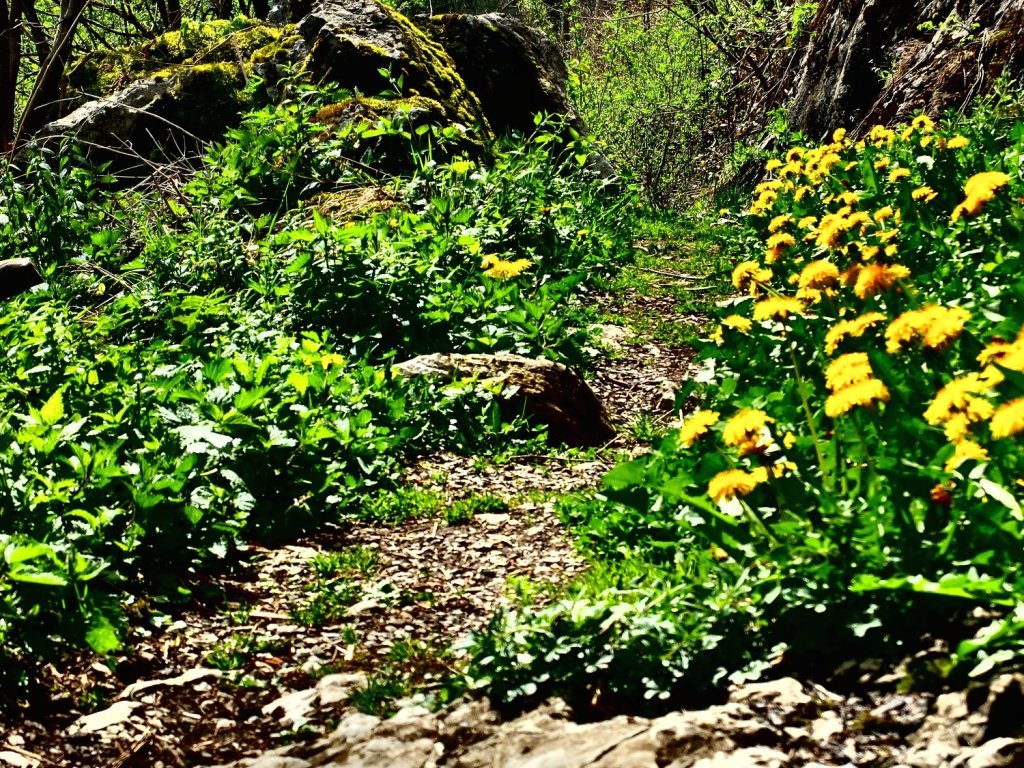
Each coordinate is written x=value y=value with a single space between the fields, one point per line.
x=354 y=204
x=237 y=42
x=351 y=44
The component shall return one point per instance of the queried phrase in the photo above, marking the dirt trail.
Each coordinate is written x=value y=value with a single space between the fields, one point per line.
x=224 y=681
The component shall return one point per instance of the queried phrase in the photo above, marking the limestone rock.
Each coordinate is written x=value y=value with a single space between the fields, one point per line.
x=545 y=391
x=17 y=276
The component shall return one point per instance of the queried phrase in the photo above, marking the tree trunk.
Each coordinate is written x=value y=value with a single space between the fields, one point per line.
x=222 y=9
x=44 y=101
x=10 y=64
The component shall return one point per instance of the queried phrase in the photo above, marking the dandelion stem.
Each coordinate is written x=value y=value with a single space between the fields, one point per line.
x=802 y=389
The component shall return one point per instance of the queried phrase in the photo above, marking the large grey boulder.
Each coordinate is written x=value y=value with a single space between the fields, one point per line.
x=543 y=390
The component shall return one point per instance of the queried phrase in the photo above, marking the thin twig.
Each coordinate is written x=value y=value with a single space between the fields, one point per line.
x=677 y=275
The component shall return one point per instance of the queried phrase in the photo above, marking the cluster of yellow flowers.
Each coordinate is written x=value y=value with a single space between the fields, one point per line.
x=830 y=243
x=966 y=402
x=499 y=269
x=748 y=434
x=852 y=383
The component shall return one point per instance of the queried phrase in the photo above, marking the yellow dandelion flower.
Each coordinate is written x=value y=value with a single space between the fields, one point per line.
x=935 y=325
x=886 y=235
x=922 y=123
x=847 y=370
x=883 y=213
x=882 y=163
x=789 y=440
x=1008 y=420
x=773 y=165
x=875 y=278
x=777 y=308
x=747 y=431
x=959 y=398
x=881 y=136
x=892 y=250
x=868 y=252
x=1007 y=354
x=814 y=295
x=926 y=141
x=807 y=222
x=696 y=426
x=947 y=323
x=731 y=483
x=858 y=218
x=750 y=274
x=849 y=197
x=777 y=245
x=896 y=174
x=958 y=142
x=863 y=393
x=779 y=222
x=738 y=322
x=839 y=135
x=850 y=329
x=980 y=188
x=966 y=450
x=819 y=274
x=499 y=269
x=924 y=193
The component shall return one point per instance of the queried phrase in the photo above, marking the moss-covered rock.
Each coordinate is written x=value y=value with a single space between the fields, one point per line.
x=178 y=104
x=193 y=83
x=239 y=41
x=354 y=204
x=350 y=42
x=514 y=70
x=382 y=133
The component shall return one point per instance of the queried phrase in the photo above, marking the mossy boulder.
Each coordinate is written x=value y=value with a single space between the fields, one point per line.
x=191 y=85
x=514 y=70
x=239 y=41
x=349 y=42
x=176 y=106
x=355 y=204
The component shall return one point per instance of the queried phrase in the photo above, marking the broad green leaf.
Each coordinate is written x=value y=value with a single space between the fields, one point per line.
x=53 y=410
x=102 y=636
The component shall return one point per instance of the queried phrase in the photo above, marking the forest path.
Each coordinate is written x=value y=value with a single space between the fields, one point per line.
x=358 y=616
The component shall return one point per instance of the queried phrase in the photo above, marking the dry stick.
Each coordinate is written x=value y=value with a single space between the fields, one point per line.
x=30 y=755
x=123 y=758
x=677 y=275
